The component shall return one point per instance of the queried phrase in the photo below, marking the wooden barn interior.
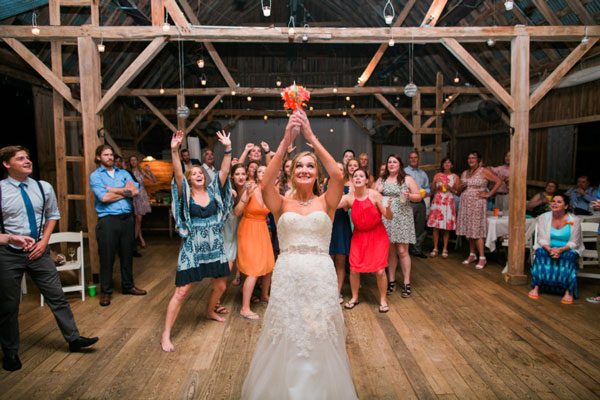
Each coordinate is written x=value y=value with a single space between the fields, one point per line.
x=523 y=78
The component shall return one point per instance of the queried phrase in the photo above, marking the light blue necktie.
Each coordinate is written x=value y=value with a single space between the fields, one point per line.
x=30 y=212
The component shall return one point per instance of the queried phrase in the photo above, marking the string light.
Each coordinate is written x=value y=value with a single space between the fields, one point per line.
x=344 y=113
x=35 y=29
x=265 y=117
x=388 y=12
x=278 y=82
x=334 y=90
x=490 y=42
x=101 y=46
x=266 y=8
x=203 y=80
x=331 y=130
x=166 y=27
x=352 y=106
x=161 y=91
x=291 y=26
x=196 y=105
x=311 y=108
x=347 y=98
x=249 y=98
x=456 y=78
x=233 y=92
x=305 y=33
x=328 y=115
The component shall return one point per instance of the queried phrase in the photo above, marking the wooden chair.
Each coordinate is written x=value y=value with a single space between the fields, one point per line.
x=77 y=264
x=589 y=231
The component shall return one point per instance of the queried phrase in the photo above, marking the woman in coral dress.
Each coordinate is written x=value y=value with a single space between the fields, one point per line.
x=255 y=256
x=472 y=218
x=442 y=214
x=370 y=242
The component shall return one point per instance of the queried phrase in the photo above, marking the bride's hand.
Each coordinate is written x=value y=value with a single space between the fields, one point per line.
x=306 y=129
x=291 y=133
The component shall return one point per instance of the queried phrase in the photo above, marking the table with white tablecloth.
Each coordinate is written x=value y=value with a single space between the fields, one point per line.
x=497 y=227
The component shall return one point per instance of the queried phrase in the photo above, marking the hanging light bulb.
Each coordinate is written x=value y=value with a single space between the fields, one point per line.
x=490 y=42
x=266 y=8
x=352 y=106
x=508 y=5
x=311 y=108
x=456 y=78
x=278 y=82
x=388 y=12
x=200 y=63
x=249 y=98
x=391 y=42
x=328 y=115
x=291 y=26
x=101 y=46
x=331 y=130
x=166 y=27
x=305 y=33
x=585 y=36
x=161 y=91
x=443 y=111
x=344 y=113
x=233 y=92
x=203 y=80
x=347 y=98
x=35 y=29
x=265 y=117
x=334 y=89
x=450 y=97
x=196 y=105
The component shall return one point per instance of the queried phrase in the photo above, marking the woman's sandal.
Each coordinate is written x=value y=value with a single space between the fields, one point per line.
x=434 y=253
x=406 y=290
x=481 y=264
x=220 y=309
x=472 y=257
x=391 y=287
x=445 y=254
x=341 y=299
x=351 y=304
x=383 y=309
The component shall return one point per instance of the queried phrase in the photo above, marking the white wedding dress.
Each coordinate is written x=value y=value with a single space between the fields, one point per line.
x=301 y=353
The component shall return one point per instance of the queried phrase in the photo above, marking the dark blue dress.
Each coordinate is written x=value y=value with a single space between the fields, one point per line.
x=341 y=233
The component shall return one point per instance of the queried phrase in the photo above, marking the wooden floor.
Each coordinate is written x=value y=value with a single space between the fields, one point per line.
x=463 y=334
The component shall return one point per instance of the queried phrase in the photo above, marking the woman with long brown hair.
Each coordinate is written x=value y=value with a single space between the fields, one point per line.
x=401 y=188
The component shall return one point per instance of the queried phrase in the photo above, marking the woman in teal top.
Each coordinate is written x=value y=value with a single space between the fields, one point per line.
x=557 y=248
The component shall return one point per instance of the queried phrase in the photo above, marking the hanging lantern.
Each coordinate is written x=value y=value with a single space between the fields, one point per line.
x=203 y=80
x=266 y=8
x=183 y=112
x=388 y=12
x=411 y=90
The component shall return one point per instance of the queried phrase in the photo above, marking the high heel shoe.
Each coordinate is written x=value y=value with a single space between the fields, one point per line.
x=472 y=257
x=391 y=287
x=481 y=264
x=406 y=290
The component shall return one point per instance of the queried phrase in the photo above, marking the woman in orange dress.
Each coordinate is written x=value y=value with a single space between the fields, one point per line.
x=255 y=253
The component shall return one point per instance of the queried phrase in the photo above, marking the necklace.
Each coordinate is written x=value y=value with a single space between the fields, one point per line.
x=305 y=203
x=471 y=172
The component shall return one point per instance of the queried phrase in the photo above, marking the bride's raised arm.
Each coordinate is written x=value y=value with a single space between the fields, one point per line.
x=335 y=184
x=271 y=196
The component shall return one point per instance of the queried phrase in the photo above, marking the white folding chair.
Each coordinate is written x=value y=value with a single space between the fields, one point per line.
x=77 y=264
x=530 y=238
x=589 y=231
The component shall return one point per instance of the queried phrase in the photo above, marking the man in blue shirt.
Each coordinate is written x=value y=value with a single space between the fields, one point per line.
x=581 y=195
x=419 y=209
x=115 y=230
x=29 y=208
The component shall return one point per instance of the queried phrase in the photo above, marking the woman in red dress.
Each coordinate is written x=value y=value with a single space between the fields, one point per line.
x=369 y=246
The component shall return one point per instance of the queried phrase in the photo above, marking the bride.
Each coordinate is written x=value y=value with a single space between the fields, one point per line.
x=301 y=353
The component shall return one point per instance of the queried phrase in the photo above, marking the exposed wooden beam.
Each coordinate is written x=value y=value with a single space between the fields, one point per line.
x=466 y=34
x=556 y=75
x=146 y=131
x=394 y=111
x=158 y=12
x=132 y=71
x=156 y=112
x=46 y=73
x=584 y=16
x=547 y=12
x=314 y=92
x=434 y=12
x=360 y=124
x=479 y=72
x=203 y=113
x=364 y=77
x=519 y=145
x=177 y=15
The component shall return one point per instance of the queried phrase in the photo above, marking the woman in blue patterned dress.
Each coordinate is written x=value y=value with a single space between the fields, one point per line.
x=200 y=212
x=558 y=246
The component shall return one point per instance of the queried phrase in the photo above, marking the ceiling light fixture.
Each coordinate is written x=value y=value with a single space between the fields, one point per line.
x=585 y=36
x=266 y=8
x=203 y=80
x=265 y=117
x=490 y=42
x=101 y=46
x=278 y=82
x=305 y=33
x=291 y=26
x=411 y=90
x=35 y=29
x=388 y=12
x=249 y=98
x=456 y=78
x=508 y=5
x=166 y=27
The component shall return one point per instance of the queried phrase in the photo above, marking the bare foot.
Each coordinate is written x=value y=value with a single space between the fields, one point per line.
x=214 y=316
x=142 y=242
x=166 y=344
x=236 y=281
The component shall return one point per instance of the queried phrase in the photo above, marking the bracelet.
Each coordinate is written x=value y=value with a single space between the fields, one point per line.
x=228 y=151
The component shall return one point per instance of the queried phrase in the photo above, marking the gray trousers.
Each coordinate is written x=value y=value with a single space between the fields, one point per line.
x=44 y=274
x=419 y=211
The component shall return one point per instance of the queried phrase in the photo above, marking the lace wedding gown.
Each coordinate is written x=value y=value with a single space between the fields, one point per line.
x=301 y=353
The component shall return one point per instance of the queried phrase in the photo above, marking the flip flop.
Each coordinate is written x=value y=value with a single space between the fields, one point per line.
x=220 y=309
x=531 y=296
x=253 y=317
x=383 y=309
x=566 y=301
x=351 y=304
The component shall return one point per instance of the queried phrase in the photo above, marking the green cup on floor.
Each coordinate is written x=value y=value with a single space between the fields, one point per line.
x=92 y=289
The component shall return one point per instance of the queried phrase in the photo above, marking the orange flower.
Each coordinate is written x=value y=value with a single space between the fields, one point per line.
x=569 y=223
x=294 y=97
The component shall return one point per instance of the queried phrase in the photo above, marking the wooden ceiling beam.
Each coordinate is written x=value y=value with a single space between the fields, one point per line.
x=320 y=92
x=556 y=75
x=364 y=77
x=434 y=12
x=203 y=113
x=548 y=14
x=479 y=72
x=584 y=16
x=395 y=112
x=178 y=17
x=132 y=71
x=156 y=112
x=318 y=35
x=45 y=72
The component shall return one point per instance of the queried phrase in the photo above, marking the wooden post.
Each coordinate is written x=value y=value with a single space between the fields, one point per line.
x=439 y=102
x=519 y=121
x=89 y=74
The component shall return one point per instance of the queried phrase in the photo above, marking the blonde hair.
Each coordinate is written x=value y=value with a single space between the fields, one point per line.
x=188 y=175
x=319 y=178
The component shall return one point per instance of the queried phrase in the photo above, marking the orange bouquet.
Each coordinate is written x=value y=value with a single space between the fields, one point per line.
x=294 y=97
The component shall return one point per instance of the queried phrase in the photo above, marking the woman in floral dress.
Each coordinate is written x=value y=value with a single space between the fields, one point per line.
x=442 y=214
x=472 y=218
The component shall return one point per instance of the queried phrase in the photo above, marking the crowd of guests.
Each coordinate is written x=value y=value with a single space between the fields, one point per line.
x=226 y=226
